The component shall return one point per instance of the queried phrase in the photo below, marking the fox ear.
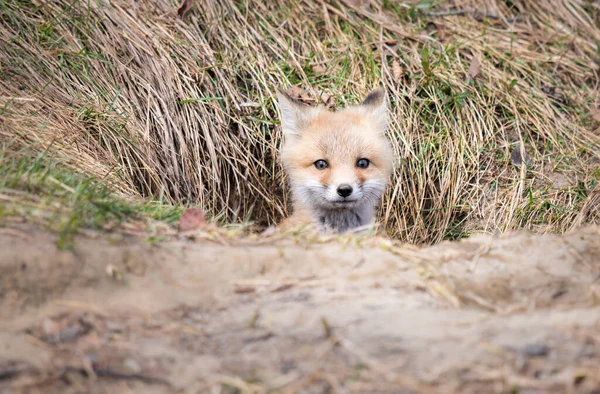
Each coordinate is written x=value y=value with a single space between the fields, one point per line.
x=375 y=106
x=295 y=116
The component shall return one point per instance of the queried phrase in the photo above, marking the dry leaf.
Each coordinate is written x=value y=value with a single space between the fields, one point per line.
x=474 y=68
x=396 y=71
x=318 y=69
x=184 y=8
x=192 y=219
x=302 y=95
x=596 y=114
x=305 y=97
x=295 y=92
x=327 y=100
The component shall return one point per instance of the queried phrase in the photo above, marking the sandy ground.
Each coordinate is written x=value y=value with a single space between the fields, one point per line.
x=508 y=314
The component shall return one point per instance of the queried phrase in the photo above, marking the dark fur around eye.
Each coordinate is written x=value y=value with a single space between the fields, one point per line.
x=363 y=163
x=321 y=164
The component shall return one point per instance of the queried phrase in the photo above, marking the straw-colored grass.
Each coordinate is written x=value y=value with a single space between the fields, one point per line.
x=183 y=110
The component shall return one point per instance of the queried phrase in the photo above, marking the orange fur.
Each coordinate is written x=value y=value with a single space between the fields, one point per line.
x=341 y=139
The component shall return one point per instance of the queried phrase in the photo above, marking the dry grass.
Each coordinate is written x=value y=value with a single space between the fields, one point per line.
x=183 y=110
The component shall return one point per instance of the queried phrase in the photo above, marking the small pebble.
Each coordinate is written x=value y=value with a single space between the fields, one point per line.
x=536 y=350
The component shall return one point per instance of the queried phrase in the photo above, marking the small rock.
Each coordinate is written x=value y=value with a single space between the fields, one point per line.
x=536 y=350
x=132 y=366
x=516 y=158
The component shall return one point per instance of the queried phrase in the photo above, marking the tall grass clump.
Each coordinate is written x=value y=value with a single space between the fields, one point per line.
x=494 y=103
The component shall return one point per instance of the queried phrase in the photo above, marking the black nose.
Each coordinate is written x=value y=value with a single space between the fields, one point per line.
x=344 y=190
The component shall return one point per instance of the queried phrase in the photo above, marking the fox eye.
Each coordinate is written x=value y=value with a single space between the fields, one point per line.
x=321 y=164
x=363 y=163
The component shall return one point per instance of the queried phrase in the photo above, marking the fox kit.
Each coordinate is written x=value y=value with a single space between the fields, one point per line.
x=338 y=163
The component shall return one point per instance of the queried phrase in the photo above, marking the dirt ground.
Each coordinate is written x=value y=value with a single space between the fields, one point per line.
x=516 y=313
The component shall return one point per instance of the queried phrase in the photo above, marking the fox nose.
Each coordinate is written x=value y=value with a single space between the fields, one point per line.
x=344 y=190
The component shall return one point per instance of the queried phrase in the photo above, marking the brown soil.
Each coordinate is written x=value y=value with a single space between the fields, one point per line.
x=515 y=313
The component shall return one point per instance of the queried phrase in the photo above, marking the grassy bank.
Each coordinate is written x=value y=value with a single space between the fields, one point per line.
x=182 y=109
x=41 y=190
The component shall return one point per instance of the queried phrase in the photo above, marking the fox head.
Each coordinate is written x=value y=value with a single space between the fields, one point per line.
x=337 y=160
